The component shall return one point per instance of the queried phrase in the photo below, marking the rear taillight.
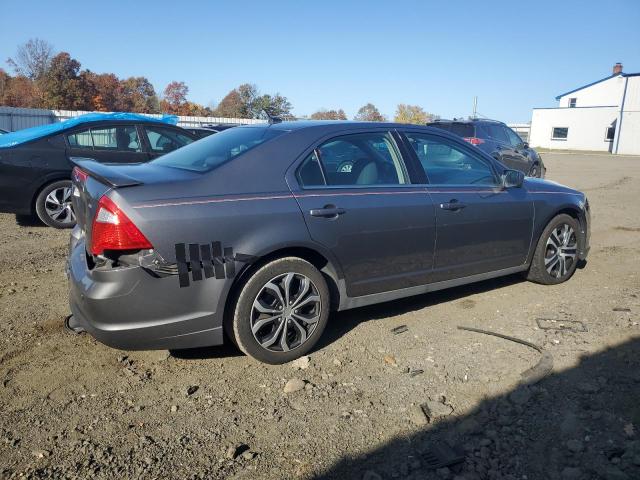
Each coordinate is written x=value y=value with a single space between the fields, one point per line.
x=474 y=140
x=79 y=176
x=113 y=230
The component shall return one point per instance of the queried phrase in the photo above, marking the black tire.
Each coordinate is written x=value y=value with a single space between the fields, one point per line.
x=245 y=316
x=66 y=218
x=538 y=272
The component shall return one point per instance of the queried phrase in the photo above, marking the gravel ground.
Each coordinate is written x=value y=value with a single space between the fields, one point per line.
x=368 y=403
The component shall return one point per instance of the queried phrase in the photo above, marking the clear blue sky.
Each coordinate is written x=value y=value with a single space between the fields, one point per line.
x=341 y=54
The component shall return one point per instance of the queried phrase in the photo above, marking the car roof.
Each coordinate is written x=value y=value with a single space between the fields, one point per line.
x=330 y=125
x=470 y=121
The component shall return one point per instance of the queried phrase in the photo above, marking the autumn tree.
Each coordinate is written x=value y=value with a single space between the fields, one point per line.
x=230 y=106
x=19 y=92
x=106 y=89
x=369 y=113
x=329 y=115
x=138 y=95
x=63 y=88
x=174 y=99
x=412 y=114
x=32 y=59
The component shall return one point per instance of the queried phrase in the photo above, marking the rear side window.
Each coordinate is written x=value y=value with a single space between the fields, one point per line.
x=121 y=138
x=514 y=139
x=497 y=132
x=214 y=150
x=81 y=139
x=445 y=163
x=359 y=160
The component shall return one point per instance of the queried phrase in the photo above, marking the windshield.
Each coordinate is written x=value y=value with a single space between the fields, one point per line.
x=211 y=152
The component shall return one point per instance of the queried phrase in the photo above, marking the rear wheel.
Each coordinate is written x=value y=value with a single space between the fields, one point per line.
x=556 y=256
x=281 y=311
x=53 y=205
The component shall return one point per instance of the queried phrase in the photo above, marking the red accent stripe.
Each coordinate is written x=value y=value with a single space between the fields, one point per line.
x=330 y=194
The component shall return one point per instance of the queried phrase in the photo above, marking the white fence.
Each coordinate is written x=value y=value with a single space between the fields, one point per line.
x=13 y=119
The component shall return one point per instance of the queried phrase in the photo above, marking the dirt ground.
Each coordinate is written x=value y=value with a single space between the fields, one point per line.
x=374 y=404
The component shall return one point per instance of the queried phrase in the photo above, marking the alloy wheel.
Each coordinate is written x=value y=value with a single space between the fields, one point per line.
x=285 y=312
x=58 y=205
x=561 y=251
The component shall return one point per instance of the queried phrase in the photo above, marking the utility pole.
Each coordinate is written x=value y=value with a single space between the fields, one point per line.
x=475 y=107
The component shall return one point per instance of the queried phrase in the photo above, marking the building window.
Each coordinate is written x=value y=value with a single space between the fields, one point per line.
x=610 y=134
x=572 y=102
x=559 y=133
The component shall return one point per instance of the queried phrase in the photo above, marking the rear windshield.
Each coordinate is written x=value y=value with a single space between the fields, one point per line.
x=464 y=130
x=211 y=152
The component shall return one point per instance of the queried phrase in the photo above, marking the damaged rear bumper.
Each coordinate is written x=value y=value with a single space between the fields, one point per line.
x=131 y=308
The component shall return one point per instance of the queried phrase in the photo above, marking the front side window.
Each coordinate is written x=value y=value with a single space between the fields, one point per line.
x=445 y=163
x=165 y=140
x=354 y=160
x=559 y=133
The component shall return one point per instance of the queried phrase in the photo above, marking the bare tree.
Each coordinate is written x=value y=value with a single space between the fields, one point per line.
x=32 y=59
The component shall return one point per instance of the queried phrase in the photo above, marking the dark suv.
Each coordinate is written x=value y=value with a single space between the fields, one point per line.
x=499 y=141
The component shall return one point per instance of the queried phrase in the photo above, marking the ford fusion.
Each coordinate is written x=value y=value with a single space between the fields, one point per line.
x=257 y=233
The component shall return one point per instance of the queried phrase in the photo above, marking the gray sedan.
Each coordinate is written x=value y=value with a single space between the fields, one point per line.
x=257 y=233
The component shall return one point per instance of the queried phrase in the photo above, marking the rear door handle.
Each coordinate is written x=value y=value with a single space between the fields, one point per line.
x=329 y=211
x=453 y=205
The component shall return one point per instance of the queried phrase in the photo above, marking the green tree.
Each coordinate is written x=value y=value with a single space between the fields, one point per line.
x=329 y=115
x=412 y=114
x=246 y=101
x=369 y=113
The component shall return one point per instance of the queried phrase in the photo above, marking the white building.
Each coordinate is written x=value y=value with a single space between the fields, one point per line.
x=601 y=116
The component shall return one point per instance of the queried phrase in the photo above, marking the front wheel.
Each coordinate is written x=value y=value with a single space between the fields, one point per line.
x=281 y=311
x=53 y=205
x=556 y=256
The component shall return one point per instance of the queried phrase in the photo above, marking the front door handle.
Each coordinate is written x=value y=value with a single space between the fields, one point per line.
x=453 y=205
x=328 y=211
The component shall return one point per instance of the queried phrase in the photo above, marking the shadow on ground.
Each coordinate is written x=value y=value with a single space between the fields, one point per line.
x=341 y=323
x=582 y=423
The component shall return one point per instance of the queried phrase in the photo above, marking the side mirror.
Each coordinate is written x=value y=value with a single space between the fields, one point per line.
x=525 y=145
x=512 y=179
